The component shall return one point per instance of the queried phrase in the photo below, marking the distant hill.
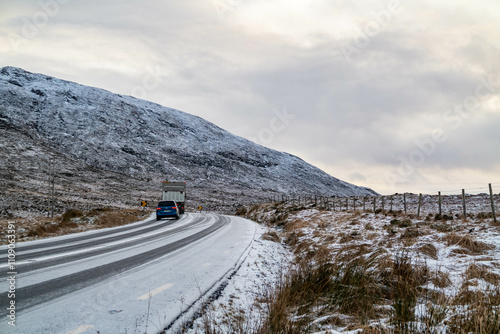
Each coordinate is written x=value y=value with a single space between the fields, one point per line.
x=113 y=149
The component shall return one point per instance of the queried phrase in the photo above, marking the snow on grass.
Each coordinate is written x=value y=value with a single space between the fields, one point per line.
x=241 y=308
x=450 y=264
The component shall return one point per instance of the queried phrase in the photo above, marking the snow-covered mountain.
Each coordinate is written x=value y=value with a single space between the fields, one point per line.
x=90 y=131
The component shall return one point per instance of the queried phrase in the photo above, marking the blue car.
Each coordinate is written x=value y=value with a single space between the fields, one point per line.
x=167 y=209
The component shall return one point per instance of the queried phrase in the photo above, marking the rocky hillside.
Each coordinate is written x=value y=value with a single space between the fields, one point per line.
x=113 y=149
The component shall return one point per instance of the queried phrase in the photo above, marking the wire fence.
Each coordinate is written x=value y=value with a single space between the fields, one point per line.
x=441 y=205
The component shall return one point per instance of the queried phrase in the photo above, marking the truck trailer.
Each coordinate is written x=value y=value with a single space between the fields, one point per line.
x=174 y=191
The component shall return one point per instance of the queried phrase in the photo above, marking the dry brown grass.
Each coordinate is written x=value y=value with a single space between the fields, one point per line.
x=73 y=221
x=467 y=243
x=329 y=238
x=302 y=247
x=46 y=229
x=352 y=251
x=372 y=236
x=271 y=236
x=405 y=279
x=241 y=211
x=252 y=210
x=118 y=217
x=296 y=224
x=428 y=249
x=480 y=271
x=483 y=315
x=278 y=219
x=297 y=292
x=348 y=237
x=292 y=239
x=411 y=233
x=443 y=227
x=441 y=279
x=372 y=329
x=317 y=254
x=70 y=214
x=369 y=227
x=354 y=279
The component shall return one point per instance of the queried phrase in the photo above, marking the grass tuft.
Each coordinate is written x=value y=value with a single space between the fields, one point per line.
x=430 y=250
x=467 y=243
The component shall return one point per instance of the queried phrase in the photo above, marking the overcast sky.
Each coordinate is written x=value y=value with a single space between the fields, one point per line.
x=399 y=96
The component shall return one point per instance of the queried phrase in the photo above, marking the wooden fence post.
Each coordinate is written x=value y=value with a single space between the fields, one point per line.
x=440 y=211
x=404 y=200
x=364 y=204
x=383 y=203
x=492 y=205
x=354 y=204
x=374 y=203
x=347 y=204
x=419 y=204
x=463 y=204
x=392 y=200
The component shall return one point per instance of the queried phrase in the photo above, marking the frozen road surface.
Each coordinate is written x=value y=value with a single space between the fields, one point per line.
x=138 y=278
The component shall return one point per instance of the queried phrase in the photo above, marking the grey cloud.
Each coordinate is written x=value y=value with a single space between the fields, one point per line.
x=345 y=111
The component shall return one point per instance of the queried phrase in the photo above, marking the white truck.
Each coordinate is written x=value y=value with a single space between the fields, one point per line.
x=174 y=191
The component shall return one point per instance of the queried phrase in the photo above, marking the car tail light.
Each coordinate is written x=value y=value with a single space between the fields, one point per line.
x=158 y=208
x=174 y=207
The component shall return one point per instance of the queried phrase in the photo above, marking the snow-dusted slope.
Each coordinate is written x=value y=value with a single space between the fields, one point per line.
x=126 y=135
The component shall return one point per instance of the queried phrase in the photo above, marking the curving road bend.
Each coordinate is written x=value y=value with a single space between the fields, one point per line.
x=137 y=278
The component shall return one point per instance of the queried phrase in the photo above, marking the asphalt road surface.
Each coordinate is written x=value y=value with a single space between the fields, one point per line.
x=138 y=278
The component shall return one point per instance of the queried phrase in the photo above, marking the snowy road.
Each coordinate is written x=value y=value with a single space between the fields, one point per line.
x=132 y=279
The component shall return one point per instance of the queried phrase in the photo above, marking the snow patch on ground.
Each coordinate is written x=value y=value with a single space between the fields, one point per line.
x=445 y=245
x=265 y=264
